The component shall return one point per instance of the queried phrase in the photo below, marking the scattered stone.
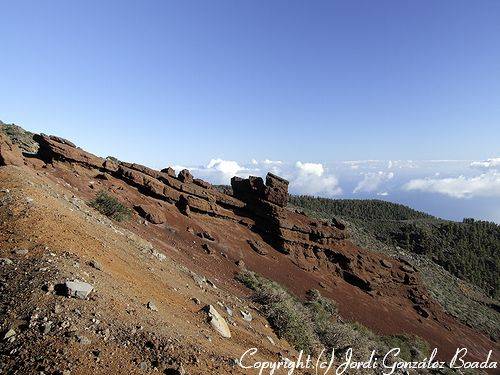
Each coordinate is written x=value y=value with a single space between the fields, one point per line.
x=207 y=248
x=386 y=263
x=205 y=236
x=406 y=268
x=143 y=366
x=217 y=322
x=10 y=334
x=229 y=311
x=21 y=252
x=246 y=316
x=196 y=301
x=200 y=281
x=48 y=287
x=46 y=328
x=241 y=264
x=83 y=340
x=270 y=339
x=6 y=261
x=152 y=306
x=78 y=289
x=95 y=264
x=258 y=247
x=210 y=283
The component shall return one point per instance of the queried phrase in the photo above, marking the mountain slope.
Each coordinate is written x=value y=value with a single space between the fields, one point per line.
x=469 y=250
x=180 y=251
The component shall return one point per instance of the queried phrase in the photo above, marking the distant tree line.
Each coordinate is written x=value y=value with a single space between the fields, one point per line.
x=469 y=249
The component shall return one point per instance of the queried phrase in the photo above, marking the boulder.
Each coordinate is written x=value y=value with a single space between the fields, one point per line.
x=258 y=247
x=253 y=189
x=152 y=306
x=10 y=154
x=110 y=165
x=217 y=322
x=248 y=189
x=185 y=176
x=55 y=148
x=169 y=171
x=150 y=213
x=276 y=190
x=78 y=289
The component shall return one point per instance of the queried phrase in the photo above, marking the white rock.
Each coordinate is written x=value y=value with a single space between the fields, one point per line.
x=78 y=289
x=217 y=322
x=246 y=316
x=152 y=306
x=10 y=333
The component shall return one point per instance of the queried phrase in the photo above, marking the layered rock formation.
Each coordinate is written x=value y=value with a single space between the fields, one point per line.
x=313 y=245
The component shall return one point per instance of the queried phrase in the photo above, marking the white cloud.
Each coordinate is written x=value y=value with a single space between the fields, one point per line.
x=372 y=180
x=226 y=167
x=484 y=185
x=383 y=194
x=310 y=178
x=270 y=162
x=310 y=168
x=493 y=163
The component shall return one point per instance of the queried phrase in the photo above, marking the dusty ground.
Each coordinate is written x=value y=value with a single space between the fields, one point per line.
x=62 y=235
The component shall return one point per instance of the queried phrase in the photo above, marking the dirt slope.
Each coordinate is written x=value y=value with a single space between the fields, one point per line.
x=43 y=211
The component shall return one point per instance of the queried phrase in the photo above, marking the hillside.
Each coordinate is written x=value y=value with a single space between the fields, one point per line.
x=112 y=267
x=469 y=250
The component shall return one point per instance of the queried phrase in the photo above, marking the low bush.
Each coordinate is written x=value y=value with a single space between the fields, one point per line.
x=315 y=324
x=288 y=317
x=110 y=206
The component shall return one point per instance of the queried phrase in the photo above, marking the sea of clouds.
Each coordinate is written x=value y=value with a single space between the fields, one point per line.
x=451 y=189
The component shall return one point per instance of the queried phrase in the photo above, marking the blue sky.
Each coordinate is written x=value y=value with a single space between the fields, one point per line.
x=185 y=82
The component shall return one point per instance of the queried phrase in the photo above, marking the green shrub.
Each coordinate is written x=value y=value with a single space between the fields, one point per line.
x=315 y=324
x=288 y=317
x=110 y=206
x=413 y=348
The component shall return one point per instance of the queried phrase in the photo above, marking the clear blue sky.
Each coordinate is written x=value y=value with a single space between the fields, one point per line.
x=185 y=81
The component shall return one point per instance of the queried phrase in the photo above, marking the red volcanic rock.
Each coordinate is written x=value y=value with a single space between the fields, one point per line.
x=258 y=247
x=202 y=183
x=253 y=189
x=185 y=176
x=10 y=154
x=276 y=190
x=248 y=189
x=110 y=166
x=55 y=148
x=62 y=140
x=152 y=214
x=169 y=171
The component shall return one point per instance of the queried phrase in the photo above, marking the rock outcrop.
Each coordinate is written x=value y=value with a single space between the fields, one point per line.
x=261 y=206
x=10 y=154
x=152 y=214
x=56 y=148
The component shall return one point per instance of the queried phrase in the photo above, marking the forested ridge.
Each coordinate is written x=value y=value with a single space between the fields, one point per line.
x=469 y=249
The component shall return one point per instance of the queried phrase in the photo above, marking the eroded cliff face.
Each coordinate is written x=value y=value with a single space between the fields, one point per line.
x=208 y=230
